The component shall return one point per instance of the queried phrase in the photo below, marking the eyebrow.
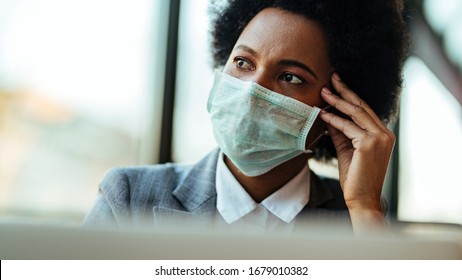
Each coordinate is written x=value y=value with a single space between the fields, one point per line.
x=247 y=49
x=288 y=62
x=284 y=62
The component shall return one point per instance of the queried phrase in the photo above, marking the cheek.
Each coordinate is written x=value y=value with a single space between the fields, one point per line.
x=311 y=97
x=229 y=69
x=229 y=66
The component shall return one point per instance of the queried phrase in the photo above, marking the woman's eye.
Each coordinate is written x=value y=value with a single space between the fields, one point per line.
x=242 y=64
x=291 y=78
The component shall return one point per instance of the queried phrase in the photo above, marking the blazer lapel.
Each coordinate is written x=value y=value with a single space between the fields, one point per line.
x=322 y=212
x=319 y=192
x=196 y=193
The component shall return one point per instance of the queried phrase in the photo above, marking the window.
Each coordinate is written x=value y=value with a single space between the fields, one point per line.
x=430 y=188
x=192 y=136
x=77 y=97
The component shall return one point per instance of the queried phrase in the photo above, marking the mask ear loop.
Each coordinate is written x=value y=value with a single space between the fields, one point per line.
x=326 y=108
x=308 y=151
x=326 y=132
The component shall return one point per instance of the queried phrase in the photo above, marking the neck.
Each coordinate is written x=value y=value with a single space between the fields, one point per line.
x=260 y=187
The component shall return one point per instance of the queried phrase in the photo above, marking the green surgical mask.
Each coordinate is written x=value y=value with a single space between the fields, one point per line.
x=256 y=128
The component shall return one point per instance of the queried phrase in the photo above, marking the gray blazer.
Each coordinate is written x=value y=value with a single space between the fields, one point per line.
x=152 y=195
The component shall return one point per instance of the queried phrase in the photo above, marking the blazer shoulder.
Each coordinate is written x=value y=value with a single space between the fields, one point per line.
x=142 y=176
x=132 y=192
x=142 y=182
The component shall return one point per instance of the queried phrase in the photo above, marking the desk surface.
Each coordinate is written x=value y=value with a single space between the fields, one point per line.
x=28 y=241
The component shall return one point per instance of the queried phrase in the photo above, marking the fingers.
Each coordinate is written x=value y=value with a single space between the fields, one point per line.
x=358 y=114
x=348 y=95
x=340 y=140
x=349 y=128
x=363 y=119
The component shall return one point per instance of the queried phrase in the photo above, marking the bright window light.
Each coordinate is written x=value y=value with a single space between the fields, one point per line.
x=430 y=149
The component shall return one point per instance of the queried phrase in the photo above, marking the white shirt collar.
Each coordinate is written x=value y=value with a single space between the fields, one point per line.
x=233 y=202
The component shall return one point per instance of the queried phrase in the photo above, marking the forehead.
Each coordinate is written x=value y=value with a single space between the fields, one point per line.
x=278 y=33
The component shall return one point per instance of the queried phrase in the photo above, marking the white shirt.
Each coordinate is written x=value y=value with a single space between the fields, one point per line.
x=276 y=212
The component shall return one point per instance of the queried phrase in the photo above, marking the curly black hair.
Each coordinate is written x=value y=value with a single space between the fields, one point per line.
x=367 y=45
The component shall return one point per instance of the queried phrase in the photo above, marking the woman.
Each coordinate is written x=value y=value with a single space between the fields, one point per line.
x=282 y=61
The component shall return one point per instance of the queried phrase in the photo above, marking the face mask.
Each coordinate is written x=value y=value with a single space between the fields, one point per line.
x=256 y=128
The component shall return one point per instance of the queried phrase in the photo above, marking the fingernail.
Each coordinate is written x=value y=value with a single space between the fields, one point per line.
x=326 y=90
x=336 y=76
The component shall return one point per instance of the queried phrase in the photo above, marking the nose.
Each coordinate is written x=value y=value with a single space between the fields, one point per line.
x=261 y=75
x=264 y=79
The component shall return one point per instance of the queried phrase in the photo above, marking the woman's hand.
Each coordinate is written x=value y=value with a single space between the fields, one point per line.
x=364 y=146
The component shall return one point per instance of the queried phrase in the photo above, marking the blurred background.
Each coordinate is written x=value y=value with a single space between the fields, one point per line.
x=89 y=85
